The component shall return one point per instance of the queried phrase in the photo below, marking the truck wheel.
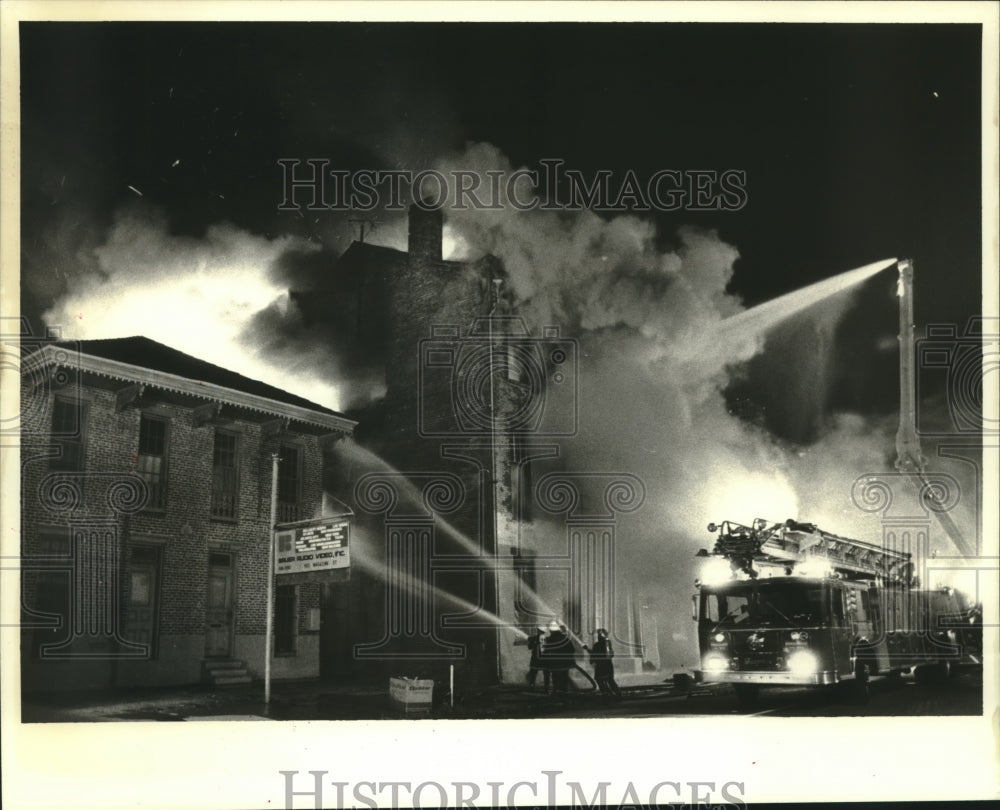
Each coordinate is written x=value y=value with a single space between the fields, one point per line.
x=932 y=674
x=747 y=694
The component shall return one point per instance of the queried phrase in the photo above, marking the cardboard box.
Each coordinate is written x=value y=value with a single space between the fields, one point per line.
x=411 y=694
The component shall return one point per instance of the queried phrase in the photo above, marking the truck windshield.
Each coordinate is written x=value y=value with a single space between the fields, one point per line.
x=786 y=604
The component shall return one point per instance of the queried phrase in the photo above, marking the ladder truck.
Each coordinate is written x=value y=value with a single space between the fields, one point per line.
x=831 y=609
x=788 y=604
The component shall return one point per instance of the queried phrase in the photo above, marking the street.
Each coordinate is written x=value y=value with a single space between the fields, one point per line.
x=960 y=695
x=316 y=700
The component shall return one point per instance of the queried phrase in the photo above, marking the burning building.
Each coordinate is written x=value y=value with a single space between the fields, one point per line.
x=464 y=541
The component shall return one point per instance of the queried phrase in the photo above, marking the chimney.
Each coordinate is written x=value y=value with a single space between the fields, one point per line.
x=426 y=233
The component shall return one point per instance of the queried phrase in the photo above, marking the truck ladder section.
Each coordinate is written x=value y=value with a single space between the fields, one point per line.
x=792 y=543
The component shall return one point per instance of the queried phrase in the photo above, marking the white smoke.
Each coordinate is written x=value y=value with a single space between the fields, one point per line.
x=193 y=294
x=655 y=361
x=653 y=369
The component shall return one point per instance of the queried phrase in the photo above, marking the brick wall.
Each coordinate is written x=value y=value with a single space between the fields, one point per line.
x=182 y=535
x=427 y=292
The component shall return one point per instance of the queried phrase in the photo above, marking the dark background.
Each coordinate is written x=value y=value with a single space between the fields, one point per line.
x=859 y=142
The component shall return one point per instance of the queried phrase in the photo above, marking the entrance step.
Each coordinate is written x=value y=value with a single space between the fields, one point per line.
x=224 y=672
x=226 y=663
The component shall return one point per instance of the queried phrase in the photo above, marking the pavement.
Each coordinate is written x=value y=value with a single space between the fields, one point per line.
x=648 y=694
x=319 y=700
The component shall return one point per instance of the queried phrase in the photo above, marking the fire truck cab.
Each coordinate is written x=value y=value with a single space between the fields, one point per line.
x=821 y=609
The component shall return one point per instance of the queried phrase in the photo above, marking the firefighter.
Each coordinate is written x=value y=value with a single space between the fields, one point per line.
x=604 y=669
x=558 y=657
x=535 y=663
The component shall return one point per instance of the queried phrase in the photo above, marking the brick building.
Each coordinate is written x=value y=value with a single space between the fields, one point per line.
x=474 y=411
x=390 y=298
x=146 y=501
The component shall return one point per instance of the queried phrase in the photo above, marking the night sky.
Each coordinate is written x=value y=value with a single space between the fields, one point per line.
x=859 y=142
x=149 y=161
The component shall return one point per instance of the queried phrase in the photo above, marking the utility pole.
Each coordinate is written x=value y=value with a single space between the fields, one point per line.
x=269 y=631
x=495 y=471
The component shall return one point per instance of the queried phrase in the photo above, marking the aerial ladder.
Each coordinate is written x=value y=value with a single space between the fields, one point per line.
x=909 y=458
x=791 y=545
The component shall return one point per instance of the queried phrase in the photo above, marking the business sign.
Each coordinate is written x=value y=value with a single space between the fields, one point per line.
x=312 y=553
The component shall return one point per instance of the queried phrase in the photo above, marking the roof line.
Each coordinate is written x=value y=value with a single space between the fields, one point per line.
x=116 y=369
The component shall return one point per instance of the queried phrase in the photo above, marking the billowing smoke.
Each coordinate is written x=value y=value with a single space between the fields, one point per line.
x=317 y=333
x=198 y=295
x=654 y=367
x=656 y=359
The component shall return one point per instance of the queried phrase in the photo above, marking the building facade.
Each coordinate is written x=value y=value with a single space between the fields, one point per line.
x=146 y=518
x=475 y=410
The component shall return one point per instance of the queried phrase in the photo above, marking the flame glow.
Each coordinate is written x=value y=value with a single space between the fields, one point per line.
x=757 y=495
x=716 y=571
x=194 y=295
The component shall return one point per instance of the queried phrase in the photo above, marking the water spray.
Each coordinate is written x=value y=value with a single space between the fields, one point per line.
x=411 y=492
x=757 y=320
x=424 y=589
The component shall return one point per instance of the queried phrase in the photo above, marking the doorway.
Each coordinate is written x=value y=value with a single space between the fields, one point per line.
x=141 y=618
x=219 y=606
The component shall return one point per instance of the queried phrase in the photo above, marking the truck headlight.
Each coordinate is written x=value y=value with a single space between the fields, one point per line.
x=715 y=662
x=803 y=662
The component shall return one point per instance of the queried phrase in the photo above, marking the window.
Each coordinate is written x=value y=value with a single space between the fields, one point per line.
x=68 y=421
x=152 y=461
x=225 y=476
x=710 y=607
x=289 y=484
x=284 y=620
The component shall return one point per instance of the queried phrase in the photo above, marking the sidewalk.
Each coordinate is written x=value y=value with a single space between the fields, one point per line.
x=313 y=700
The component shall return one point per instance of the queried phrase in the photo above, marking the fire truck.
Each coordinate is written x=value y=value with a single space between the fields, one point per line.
x=788 y=604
